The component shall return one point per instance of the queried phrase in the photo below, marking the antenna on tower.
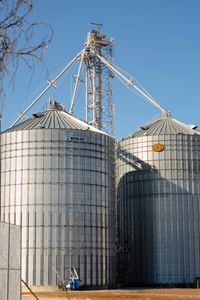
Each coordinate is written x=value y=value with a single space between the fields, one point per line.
x=98 y=25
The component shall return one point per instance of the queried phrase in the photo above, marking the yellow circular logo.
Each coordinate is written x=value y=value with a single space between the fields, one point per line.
x=158 y=147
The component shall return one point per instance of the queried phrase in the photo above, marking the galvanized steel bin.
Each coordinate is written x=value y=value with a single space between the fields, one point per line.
x=57 y=181
x=158 y=193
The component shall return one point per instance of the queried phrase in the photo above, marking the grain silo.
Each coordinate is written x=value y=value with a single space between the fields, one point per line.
x=57 y=180
x=158 y=171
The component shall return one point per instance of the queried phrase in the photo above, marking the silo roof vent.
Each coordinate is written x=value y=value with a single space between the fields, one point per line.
x=55 y=105
x=144 y=127
x=194 y=126
x=38 y=114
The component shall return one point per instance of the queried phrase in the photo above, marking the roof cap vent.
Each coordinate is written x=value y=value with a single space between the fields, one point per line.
x=167 y=114
x=55 y=105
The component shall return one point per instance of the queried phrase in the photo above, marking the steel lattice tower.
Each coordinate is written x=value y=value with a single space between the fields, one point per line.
x=99 y=104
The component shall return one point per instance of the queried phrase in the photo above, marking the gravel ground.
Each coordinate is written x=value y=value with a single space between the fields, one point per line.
x=134 y=294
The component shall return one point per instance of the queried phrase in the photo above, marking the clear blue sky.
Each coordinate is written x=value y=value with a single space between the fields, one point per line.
x=157 y=41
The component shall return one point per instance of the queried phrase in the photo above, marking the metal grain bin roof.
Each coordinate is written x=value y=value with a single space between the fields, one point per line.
x=165 y=126
x=54 y=117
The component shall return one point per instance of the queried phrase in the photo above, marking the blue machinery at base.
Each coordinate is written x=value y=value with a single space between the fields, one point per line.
x=71 y=283
x=74 y=280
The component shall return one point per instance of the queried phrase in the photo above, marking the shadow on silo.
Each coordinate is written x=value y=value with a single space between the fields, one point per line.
x=155 y=244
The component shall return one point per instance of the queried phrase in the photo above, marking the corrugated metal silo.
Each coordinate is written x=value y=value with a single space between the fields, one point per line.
x=158 y=171
x=57 y=180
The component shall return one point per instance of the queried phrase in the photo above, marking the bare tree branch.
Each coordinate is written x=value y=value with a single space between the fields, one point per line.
x=19 y=39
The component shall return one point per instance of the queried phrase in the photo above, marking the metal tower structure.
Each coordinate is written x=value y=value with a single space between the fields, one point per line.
x=98 y=81
x=96 y=62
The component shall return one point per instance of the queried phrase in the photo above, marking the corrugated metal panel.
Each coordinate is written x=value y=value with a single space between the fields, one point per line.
x=165 y=126
x=10 y=262
x=159 y=206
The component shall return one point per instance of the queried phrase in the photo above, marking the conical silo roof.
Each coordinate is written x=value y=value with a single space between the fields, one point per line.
x=54 y=117
x=166 y=125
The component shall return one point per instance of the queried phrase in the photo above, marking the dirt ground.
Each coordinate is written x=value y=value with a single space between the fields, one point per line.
x=138 y=294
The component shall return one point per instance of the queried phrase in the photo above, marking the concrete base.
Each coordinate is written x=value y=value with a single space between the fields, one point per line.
x=40 y=288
